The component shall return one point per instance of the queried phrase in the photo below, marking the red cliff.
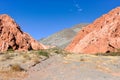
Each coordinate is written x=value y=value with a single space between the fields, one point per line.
x=102 y=36
x=12 y=37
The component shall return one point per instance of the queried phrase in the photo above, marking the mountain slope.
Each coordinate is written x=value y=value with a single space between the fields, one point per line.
x=102 y=36
x=12 y=37
x=62 y=38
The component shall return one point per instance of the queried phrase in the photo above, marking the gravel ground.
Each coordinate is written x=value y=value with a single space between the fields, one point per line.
x=76 y=67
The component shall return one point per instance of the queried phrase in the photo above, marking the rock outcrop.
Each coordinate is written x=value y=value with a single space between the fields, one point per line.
x=102 y=36
x=12 y=37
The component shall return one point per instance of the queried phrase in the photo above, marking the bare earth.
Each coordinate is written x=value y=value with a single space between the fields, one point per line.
x=76 y=67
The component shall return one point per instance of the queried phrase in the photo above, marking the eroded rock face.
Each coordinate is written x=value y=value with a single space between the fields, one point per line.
x=102 y=36
x=11 y=36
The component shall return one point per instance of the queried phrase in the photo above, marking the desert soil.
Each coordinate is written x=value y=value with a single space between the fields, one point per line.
x=76 y=67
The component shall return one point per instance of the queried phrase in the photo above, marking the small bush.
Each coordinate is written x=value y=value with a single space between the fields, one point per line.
x=10 y=50
x=82 y=59
x=16 y=67
x=43 y=53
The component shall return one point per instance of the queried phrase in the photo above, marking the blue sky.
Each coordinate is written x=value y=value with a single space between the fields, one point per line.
x=41 y=18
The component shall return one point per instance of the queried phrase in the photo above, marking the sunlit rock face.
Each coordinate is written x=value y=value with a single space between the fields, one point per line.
x=102 y=36
x=12 y=37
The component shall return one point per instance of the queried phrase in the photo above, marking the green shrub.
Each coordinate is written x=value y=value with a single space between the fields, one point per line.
x=43 y=53
x=10 y=49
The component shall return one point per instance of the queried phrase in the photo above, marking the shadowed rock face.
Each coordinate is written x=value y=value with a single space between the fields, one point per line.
x=102 y=36
x=11 y=36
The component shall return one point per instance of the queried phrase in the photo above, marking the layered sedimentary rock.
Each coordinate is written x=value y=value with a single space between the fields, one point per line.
x=102 y=36
x=12 y=37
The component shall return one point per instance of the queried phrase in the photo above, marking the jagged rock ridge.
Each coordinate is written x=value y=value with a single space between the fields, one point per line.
x=12 y=37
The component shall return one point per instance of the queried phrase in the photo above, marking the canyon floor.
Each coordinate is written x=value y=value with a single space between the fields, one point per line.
x=59 y=67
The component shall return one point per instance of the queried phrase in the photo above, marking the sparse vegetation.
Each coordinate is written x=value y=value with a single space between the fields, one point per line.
x=109 y=54
x=16 y=67
x=43 y=53
x=82 y=59
x=51 y=51
x=58 y=51
x=5 y=56
x=36 y=60
x=26 y=56
x=10 y=50
x=21 y=61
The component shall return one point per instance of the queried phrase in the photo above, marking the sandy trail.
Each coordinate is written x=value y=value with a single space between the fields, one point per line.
x=76 y=67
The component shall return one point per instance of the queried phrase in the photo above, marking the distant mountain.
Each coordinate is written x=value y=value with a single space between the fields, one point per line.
x=62 y=38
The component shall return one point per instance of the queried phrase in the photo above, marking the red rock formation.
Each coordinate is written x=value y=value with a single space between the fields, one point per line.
x=11 y=36
x=102 y=36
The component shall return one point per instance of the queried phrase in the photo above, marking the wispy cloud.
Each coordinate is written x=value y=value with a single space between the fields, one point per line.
x=80 y=10
x=77 y=6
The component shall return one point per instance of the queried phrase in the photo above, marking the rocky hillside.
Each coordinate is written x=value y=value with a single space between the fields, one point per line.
x=62 y=38
x=12 y=37
x=102 y=36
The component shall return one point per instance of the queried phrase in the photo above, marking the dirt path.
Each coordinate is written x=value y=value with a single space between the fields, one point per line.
x=76 y=67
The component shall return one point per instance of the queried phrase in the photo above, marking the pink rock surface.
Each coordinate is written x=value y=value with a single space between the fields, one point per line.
x=11 y=36
x=102 y=36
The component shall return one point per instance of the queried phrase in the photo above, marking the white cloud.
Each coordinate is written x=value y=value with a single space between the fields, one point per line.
x=77 y=6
